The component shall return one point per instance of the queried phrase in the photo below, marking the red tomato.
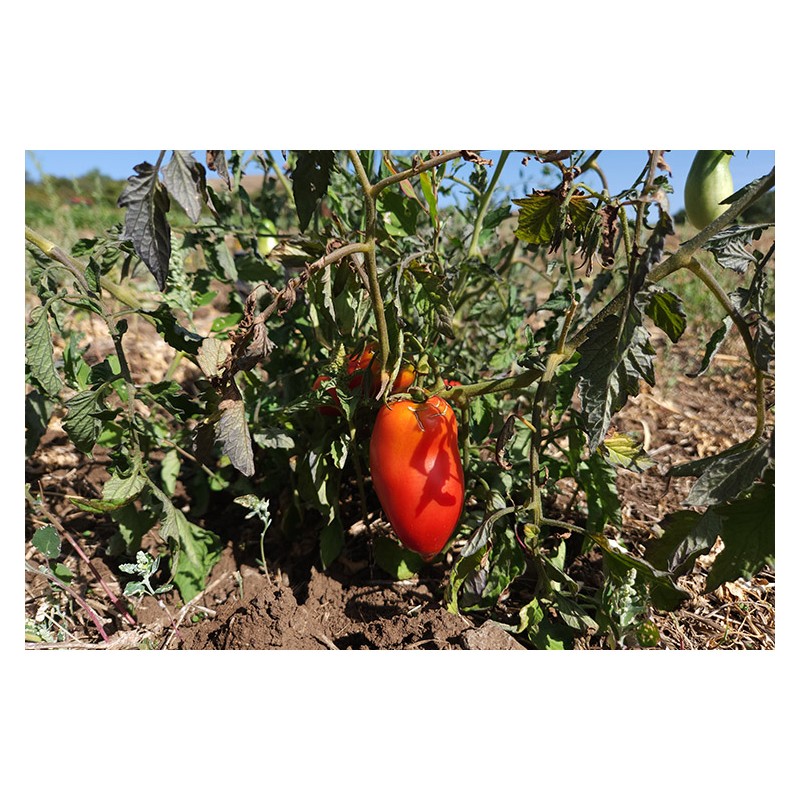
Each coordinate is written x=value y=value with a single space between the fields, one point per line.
x=357 y=365
x=416 y=471
x=450 y=383
x=326 y=409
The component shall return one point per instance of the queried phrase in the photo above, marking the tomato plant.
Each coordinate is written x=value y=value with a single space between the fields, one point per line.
x=549 y=307
x=416 y=471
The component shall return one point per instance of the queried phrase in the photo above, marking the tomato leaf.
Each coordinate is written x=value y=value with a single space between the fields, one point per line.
x=727 y=475
x=396 y=560
x=331 y=542
x=748 y=532
x=215 y=160
x=81 y=423
x=621 y=450
x=666 y=310
x=729 y=246
x=310 y=179
x=39 y=352
x=38 y=410
x=613 y=360
x=686 y=535
x=146 y=203
x=185 y=180
x=233 y=433
x=712 y=346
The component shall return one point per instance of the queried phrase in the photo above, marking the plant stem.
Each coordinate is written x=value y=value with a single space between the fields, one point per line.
x=711 y=282
x=371 y=215
x=474 y=250
x=73 y=594
x=77 y=548
x=421 y=166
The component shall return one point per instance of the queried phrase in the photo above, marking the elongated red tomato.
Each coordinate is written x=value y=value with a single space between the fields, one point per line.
x=416 y=471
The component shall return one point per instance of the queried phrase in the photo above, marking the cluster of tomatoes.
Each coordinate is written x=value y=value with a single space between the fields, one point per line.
x=414 y=458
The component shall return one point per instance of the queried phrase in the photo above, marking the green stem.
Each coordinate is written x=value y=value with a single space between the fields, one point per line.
x=474 y=250
x=713 y=285
x=371 y=215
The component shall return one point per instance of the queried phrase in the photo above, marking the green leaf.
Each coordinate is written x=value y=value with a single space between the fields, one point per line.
x=273 y=439
x=233 y=433
x=146 y=203
x=39 y=352
x=543 y=216
x=331 y=542
x=398 y=214
x=729 y=246
x=63 y=572
x=81 y=422
x=728 y=475
x=185 y=179
x=613 y=360
x=482 y=535
x=506 y=563
x=47 y=541
x=460 y=571
x=666 y=310
x=428 y=191
x=621 y=450
x=169 y=470
x=133 y=523
x=117 y=492
x=686 y=536
x=396 y=560
x=199 y=549
x=712 y=346
x=599 y=481
x=310 y=179
x=530 y=616
x=538 y=218
x=661 y=582
x=748 y=532
x=174 y=334
x=496 y=216
x=572 y=614
x=435 y=297
x=38 y=410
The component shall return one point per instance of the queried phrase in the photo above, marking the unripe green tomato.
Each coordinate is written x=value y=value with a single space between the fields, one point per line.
x=266 y=241
x=709 y=182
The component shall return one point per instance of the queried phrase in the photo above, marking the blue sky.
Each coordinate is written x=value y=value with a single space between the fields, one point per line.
x=621 y=167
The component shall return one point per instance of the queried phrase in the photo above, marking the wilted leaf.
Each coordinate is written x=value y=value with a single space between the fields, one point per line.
x=146 y=203
x=234 y=435
x=211 y=356
x=215 y=160
x=185 y=180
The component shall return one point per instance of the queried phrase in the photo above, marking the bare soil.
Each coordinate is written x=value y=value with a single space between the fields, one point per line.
x=353 y=605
